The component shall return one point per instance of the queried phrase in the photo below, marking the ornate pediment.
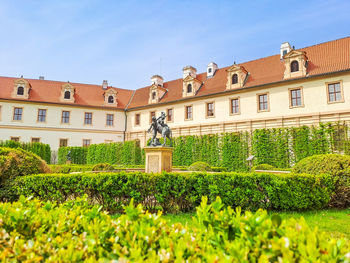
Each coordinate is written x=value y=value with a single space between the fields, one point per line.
x=21 y=89
x=156 y=93
x=295 y=63
x=191 y=86
x=110 y=97
x=67 y=93
x=236 y=77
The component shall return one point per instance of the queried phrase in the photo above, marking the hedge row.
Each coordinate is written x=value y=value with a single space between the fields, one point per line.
x=40 y=149
x=125 y=153
x=33 y=231
x=182 y=191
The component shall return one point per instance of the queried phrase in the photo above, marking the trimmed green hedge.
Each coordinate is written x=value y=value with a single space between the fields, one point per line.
x=182 y=192
x=78 y=154
x=40 y=149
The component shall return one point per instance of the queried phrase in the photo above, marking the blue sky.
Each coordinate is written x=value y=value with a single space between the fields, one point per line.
x=126 y=42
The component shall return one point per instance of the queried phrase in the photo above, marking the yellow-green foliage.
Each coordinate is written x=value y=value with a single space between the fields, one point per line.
x=18 y=162
x=199 y=166
x=103 y=167
x=32 y=231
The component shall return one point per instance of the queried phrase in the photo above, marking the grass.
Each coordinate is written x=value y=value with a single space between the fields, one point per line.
x=334 y=222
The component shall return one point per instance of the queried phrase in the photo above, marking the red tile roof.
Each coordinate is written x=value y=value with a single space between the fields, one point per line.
x=323 y=58
x=50 y=91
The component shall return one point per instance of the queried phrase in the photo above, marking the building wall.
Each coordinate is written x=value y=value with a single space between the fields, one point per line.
x=52 y=130
x=315 y=109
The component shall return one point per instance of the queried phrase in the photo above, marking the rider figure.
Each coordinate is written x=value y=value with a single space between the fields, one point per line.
x=161 y=119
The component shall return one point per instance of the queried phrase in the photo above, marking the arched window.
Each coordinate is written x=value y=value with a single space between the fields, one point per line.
x=110 y=99
x=20 y=90
x=67 y=94
x=154 y=95
x=189 y=88
x=234 y=78
x=294 y=66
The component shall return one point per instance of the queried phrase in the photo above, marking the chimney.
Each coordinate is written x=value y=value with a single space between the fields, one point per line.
x=41 y=77
x=104 y=84
x=285 y=48
x=189 y=70
x=157 y=80
x=211 y=69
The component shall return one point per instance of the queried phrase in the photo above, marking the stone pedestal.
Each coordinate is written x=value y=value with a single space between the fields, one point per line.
x=158 y=159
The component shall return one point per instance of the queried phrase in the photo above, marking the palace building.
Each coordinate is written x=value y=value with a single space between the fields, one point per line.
x=295 y=87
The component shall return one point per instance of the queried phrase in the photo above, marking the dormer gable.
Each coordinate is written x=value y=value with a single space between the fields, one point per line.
x=236 y=77
x=156 y=93
x=295 y=63
x=190 y=86
x=67 y=93
x=110 y=97
x=21 y=89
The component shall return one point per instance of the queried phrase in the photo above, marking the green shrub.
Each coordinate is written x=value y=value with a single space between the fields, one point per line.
x=263 y=166
x=336 y=165
x=78 y=232
x=77 y=154
x=199 y=166
x=219 y=169
x=103 y=167
x=40 y=149
x=174 y=192
x=70 y=168
x=17 y=162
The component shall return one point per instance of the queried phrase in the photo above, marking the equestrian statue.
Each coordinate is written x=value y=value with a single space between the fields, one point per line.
x=159 y=126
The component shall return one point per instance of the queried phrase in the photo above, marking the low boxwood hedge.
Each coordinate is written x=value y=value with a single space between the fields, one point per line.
x=173 y=192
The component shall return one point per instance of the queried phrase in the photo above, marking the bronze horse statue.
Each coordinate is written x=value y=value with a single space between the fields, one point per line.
x=158 y=126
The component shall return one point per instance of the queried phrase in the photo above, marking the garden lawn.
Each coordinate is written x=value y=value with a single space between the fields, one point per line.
x=334 y=222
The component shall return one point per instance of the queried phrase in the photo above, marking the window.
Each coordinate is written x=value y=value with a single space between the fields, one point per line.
x=189 y=114
x=210 y=109
x=63 y=142
x=284 y=52
x=88 y=118
x=189 y=88
x=154 y=95
x=17 y=114
x=86 y=142
x=20 y=90
x=295 y=97
x=209 y=70
x=294 y=66
x=67 y=94
x=334 y=92
x=15 y=139
x=35 y=140
x=234 y=78
x=151 y=114
x=170 y=115
x=137 y=119
x=110 y=99
x=235 y=106
x=110 y=119
x=65 y=117
x=41 y=115
x=263 y=103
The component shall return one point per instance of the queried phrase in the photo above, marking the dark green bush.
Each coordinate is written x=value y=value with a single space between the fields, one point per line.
x=183 y=191
x=18 y=162
x=69 y=168
x=336 y=165
x=103 y=167
x=199 y=166
x=40 y=149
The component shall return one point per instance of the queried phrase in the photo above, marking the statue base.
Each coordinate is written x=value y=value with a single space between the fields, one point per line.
x=158 y=159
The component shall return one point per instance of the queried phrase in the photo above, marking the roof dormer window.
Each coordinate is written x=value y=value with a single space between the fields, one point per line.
x=234 y=78
x=294 y=66
x=67 y=95
x=154 y=94
x=209 y=70
x=189 y=88
x=110 y=99
x=20 y=91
